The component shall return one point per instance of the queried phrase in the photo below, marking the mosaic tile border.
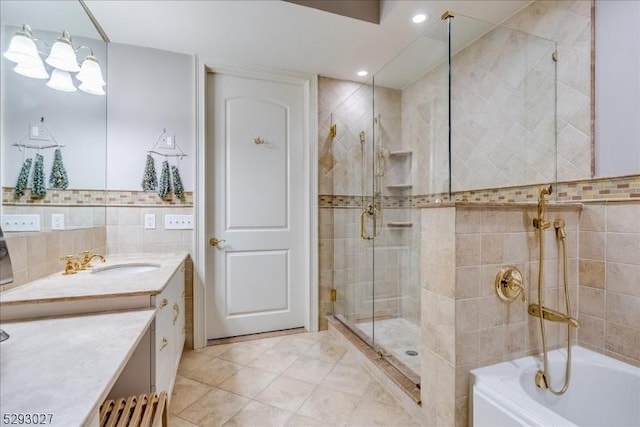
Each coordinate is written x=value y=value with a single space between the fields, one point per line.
x=600 y=189
x=94 y=198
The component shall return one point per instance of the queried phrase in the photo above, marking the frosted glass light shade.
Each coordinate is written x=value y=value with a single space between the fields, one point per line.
x=93 y=89
x=62 y=56
x=22 y=49
x=90 y=72
x=35 y=70
x=61 y=80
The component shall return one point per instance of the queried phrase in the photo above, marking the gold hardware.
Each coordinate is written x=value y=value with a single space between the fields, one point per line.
x=447 y=14
x=87 y=257
x=164 y=343
x=554 y=56
x=541 y=380
x=541 y=222
x=552 y=315
x=334 y=295
x=369 y=211
x=72 y=264
x=164 y=303
x=333 y=131
x=509 y=283
x=558 y=224
x=258 y=141
x=176 y=309
x=215 y=242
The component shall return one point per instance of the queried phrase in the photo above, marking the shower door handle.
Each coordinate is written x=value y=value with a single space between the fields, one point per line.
x=368 y=211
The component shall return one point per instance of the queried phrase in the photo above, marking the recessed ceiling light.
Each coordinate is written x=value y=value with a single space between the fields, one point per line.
x=421 y=17
x=363 y=73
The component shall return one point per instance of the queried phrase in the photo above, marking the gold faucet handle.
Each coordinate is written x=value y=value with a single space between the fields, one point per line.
x=72 y=264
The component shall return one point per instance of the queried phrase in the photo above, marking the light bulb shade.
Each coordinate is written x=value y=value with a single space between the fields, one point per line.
x=22 y=50
x=92 y=88
x=90 y=72
x=62 y=56
x=61 y=80
x=35 y=70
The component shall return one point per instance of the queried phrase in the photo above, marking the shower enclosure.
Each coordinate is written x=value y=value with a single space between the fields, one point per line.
x=466 y=106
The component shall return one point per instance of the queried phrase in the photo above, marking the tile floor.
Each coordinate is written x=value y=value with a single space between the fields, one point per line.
x=307 y=379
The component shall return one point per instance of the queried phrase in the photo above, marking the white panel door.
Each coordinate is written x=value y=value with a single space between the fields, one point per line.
x=255 y=136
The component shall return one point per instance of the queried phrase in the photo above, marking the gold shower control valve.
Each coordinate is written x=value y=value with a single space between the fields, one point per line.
x=509 y=283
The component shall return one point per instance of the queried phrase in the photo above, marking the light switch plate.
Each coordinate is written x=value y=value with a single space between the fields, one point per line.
x=57 y=221
x=21 y=222
x=178 y=222
x=149 y=221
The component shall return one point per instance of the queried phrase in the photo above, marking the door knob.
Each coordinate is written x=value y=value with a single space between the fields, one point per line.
x=215 y=242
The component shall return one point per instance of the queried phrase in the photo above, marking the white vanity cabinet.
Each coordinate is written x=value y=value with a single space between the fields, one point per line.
x=169 y=331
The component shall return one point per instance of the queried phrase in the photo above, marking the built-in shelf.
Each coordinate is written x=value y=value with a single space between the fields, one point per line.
x=399 y=186
x=399 y=224
x=400 y=153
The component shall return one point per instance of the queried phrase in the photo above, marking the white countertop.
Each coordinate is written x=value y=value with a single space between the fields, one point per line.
x=66 y=366
x=58 y=287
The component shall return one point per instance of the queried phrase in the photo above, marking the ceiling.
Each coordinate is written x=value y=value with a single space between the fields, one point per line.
x=276 y=34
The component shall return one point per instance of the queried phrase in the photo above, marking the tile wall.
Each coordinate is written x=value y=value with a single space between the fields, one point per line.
x=609 y=273
x=464 y=323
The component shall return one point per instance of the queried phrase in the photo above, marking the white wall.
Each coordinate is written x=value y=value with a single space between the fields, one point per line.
x=617 y=87
x=149 y=90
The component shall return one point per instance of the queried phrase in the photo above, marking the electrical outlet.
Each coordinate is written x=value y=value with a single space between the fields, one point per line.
x=21 y=222
x=178 y=222
x=57 y=221
x=149 y=221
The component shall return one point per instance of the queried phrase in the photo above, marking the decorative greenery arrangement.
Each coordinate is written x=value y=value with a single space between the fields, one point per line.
x=149 y=179
x=38 y=189
x=58 y=177
x=164 y=187
x=178 y=189
x=23 y=179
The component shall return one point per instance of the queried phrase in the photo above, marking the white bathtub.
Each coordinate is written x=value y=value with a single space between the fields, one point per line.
x=604 y=392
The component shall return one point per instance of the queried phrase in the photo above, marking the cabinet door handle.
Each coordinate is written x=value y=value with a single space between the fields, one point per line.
x=164 y=302
x=176 y=310
x=164 y=343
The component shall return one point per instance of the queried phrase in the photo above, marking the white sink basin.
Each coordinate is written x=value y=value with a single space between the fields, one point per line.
x=125 y=269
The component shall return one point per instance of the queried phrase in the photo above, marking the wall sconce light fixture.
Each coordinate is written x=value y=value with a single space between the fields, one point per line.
x=62 y=60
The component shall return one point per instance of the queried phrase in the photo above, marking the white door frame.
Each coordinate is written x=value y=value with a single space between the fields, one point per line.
x=201 y=269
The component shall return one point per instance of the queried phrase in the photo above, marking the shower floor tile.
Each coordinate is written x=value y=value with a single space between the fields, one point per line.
x=396 y=337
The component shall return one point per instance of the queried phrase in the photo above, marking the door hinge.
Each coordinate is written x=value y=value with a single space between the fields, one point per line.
x=334 y=295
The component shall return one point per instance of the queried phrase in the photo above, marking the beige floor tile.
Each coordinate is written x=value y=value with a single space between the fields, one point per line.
x=330 y=406
x=268 y=343
x=212 y=371
x=242 y=353
x=309 y=370
x=214 y=408
x=259 y=414
x=326 y=351
x=191 y=360
x=348 y=379
x=176 y=421
x=286 y=393
x=369 y=413
x=351 y=359
x=294 y=344
x=274 y=361
x=215 y=350
x=301 y=421
x=185 y=392
x=248 y=381
x=377 y=392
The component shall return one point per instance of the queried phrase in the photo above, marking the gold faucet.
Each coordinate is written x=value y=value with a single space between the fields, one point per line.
x=72 y=264
x=87 y=257
x=541 y=222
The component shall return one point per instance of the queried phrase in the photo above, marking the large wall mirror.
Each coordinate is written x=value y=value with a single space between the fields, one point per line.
x=53 y=127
